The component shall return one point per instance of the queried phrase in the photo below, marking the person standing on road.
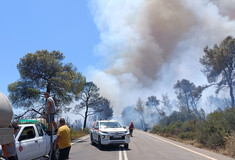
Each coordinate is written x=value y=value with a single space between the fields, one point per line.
x=9 y=150
x=131 y=128
x=50 y=112
x=63 y=140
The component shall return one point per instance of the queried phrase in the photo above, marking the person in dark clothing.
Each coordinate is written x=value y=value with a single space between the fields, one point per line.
x=131 y=128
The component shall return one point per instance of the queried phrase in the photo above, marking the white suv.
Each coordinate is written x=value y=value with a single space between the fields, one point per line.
x=108 y=132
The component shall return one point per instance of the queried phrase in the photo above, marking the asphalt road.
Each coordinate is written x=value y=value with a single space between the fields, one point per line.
x=143 y=146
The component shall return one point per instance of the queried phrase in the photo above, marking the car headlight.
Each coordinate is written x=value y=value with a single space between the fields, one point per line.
x=126 y=132
x=104 y=132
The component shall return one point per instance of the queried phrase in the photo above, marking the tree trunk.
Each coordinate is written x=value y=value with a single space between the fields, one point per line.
x=230 y=84
x=231 y=95
x=85 y=119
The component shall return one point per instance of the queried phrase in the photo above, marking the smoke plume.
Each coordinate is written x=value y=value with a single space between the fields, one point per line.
x=147 y=45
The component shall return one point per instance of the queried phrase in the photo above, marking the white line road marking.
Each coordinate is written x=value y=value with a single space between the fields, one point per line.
x=181 y=147
x=79 y=140
x=120 y=153
x=124 y=153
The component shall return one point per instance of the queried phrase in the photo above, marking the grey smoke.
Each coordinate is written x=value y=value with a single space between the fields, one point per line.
x=147 y=45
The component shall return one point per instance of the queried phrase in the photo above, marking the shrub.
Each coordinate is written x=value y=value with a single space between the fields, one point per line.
x=211 y=133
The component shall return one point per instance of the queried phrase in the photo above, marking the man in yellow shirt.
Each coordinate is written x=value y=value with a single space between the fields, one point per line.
x=63 y=140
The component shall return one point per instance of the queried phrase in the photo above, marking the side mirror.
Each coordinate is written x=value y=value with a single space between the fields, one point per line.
x=124 y=127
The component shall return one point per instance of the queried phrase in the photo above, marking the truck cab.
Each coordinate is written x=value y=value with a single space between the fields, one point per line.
x=32 y=142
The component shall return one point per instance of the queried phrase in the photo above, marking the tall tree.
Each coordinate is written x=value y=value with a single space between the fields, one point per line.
x=167 y=103
x=140 y=110
x=188 y=94
x=88 y=98
x=219 y=65
x=153 y=102
x=102 y=109
x=44 y=71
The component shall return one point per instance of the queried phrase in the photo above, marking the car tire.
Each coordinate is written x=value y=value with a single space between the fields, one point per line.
x=92 y=141
x=99 y=144
x=126 y=146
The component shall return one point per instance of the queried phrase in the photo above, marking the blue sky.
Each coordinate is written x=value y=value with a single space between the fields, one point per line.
x=129 y=48
x=28 y=26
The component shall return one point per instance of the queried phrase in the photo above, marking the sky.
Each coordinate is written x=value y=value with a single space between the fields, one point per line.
x=129 y=49
x=28 y=26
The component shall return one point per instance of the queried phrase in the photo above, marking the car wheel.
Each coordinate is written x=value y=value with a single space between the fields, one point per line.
x=91 y=137
x=126 y=146
x=99 y=143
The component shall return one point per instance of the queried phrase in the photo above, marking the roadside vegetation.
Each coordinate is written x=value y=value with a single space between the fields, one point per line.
x=78 y=133
x=216 y=131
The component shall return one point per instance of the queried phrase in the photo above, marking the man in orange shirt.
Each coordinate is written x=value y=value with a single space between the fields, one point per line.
x=63 y=140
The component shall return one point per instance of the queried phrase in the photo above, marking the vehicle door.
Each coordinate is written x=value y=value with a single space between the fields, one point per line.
x=27 y=144
x=42 y=141
x=96 y=131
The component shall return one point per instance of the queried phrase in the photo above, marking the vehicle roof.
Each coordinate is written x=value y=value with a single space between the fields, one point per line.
x=26 y=124
x=107 y=121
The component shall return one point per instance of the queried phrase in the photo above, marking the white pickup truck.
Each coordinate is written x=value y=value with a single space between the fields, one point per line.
x=32 y=142
x=109 y=132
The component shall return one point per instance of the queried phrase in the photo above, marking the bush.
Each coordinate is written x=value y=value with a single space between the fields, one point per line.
x=229 y=116
x=211 y=133
x=186 y=135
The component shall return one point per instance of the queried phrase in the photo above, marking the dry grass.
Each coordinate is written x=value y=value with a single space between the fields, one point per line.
x=77 y=134
x=228 y=150
x=230 y=146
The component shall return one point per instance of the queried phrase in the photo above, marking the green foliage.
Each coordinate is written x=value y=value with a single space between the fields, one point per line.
x=214 y=132
x=229 y=116
x=44 y=71
x=219 y=65
x=189 y=95
x=102 y=109
x=182 y=116
x=210 y=135
x=93 y=103
x=217 y=128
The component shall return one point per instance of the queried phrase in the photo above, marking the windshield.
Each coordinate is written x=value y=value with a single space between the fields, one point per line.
x=110 y=125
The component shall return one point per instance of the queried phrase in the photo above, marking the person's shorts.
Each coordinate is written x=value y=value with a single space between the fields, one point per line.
x=50 y=118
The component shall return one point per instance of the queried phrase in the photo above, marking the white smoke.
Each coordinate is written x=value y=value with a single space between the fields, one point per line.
x=147 y=45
